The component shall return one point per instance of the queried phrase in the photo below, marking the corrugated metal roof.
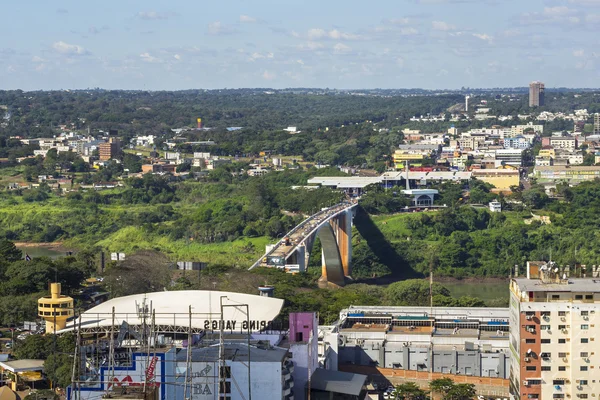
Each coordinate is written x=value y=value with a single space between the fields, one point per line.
x=337 y=381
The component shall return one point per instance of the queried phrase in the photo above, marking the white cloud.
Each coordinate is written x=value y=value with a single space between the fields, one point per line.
x=299 y=61
x=177 y=57
x=334 y=34
x=146 y=57
x=37 y=59
x=217 y=28
x=408 y=31
x=69 y=49
x=483 y=36
x=579 y=53
x=155 y=15
x=247 y=19
x=269 y=76
x=341 y=48
x=310 y=45
x=442 y=26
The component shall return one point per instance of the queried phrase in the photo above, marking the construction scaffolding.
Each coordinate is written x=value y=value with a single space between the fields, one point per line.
x=134 y=357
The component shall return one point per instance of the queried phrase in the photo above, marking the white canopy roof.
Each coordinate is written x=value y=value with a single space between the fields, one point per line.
x=173 y=309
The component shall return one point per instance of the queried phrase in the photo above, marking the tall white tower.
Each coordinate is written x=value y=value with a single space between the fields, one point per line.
x=467 y=103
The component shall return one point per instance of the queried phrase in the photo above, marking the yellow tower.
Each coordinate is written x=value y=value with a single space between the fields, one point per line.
x=55 y=309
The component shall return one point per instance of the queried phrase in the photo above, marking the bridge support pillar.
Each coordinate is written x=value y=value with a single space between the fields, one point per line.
x=344 y=239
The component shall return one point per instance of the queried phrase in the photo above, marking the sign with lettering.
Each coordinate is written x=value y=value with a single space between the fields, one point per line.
x=204 y=378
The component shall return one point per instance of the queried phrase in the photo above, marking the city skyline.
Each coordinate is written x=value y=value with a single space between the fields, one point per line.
x=419 y=43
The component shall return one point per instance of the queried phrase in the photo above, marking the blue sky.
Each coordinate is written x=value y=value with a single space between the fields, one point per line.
x=188 y=44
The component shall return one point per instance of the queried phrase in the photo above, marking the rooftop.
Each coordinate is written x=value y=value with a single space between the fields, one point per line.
x=337 y=381
x=22 y=365
x=567 y=285
x=235 y=352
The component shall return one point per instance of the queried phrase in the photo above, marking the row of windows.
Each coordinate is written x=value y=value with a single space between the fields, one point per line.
x=547 y=327
x=560 y=341
x=560 y=313
x=50 y=313
x=62 y=305
x=577 y=297
x=582 y=368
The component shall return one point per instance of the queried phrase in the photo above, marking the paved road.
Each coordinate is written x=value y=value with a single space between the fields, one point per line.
x=302 y=231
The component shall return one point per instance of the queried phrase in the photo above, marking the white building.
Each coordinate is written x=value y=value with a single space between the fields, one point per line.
x=268 y=377
x=495 y=206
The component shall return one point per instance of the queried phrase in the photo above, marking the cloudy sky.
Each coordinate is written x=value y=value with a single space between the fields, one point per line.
x=183 y=44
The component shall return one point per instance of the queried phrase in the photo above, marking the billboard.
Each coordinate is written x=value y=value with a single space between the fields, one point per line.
x=277 y=261
x=151 y=369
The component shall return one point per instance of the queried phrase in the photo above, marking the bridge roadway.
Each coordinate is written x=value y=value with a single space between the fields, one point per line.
x=290 y=242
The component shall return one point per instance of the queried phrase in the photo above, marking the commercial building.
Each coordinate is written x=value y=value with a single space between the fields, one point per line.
x=560 y=142
x=502 y=179
x=554 y=323
x=512 y=157
x=260 y=372
x=564 y=173
x=597 y=124
x=536 y=94
x=110 y=149
x=517 y=142
x=451 y=340
x=414 y=153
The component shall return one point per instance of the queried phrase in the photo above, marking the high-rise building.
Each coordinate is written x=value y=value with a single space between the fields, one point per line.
x=597 y=124
x=110 y=149
x=467 y=103
x=553 y=323
x=536 y=94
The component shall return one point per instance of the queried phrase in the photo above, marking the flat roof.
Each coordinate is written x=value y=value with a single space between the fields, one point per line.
x=337 y=381
x=23 y=365
x=172 y=309
x=345 y=181
x=566 y=168
x=235 y=352
x=570 y=285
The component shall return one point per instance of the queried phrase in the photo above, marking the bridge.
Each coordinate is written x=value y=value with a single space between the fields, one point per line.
x=333 y=226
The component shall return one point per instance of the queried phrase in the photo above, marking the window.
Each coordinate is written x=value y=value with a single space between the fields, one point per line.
x=558 y=396
x=225 y=387
x=584 y=313
x=546 y=368
x=589 y=297
x=534 y=381
x=584 y=340
x=530 y=313
x=585 y=326
x=583 y=354
x=530 y=341
x=555 y=297
x=562 y=355
x=562 y=327
x=562 y=341
x=583 y=382
x=545 y=327
x=226 y=372
x=562 y=368
x=558 y=382
x=578 y=297
x=583 y=368
x=562 y=313
x=545 y=341
x=530 y=368
x=583 y=395
x=299 y=337
x=545 y=355
x=533 y=396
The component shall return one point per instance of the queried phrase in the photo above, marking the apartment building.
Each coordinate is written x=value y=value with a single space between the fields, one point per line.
x=536 y=94
x=555 y=319
x=110 y=149
x=597 y=124
x=560 y=142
